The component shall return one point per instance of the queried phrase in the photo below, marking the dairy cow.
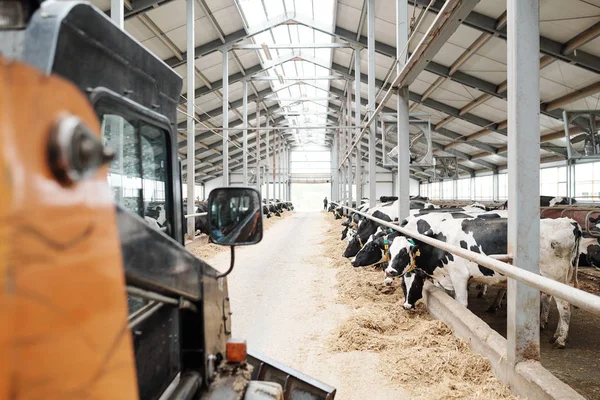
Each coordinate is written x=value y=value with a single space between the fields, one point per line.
x=373 y=250
x=416 y=261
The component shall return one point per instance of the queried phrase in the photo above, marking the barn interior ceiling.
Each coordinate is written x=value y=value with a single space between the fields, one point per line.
x=303 y=89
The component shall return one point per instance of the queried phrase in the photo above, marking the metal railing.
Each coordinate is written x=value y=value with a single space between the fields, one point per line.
x=192 y=216
x=196 y=215
x=576 y=297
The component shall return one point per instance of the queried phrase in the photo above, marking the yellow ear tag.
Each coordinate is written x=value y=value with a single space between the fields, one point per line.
x=418 y=253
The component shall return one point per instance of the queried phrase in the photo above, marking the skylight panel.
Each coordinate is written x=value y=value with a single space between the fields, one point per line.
x=323 y=10
x=253 y=11
x=305 y=34
x=288 y=68
x=304 y=8
x=274 y=8
x=281 y=34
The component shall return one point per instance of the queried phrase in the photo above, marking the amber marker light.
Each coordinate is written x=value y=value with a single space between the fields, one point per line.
x=235 y=350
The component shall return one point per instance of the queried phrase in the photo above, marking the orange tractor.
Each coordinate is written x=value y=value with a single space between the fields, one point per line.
x=95 y=302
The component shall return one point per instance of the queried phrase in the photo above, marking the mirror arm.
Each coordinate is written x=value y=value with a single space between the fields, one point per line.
x=230 y=265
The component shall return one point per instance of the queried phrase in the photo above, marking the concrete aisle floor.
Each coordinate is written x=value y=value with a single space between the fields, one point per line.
x=283 y=304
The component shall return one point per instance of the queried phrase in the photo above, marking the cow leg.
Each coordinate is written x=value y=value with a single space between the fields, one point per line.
x=497 y=303
x=564 y=319
x=461 y=292
x=545 y=301
x=482 y=291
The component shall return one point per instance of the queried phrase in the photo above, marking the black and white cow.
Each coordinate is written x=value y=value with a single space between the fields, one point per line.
x=416 y=261
x=373 y=251
x=366 y=228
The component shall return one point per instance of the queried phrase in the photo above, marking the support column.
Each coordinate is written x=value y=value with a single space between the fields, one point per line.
x=191 y=128
x=403 y=117
x=523 y=302
x=278 y=174
x=257 y=149
x=245 y=137
x=357 y=121
x=268 y=133
x=349 y=140
x=289 y=168
x=225 y=116
x=281 y=177
x=286 y=173
x=258 y=177
x=371 y=111
x=334 y=168
x=275 y=166
x=495 y=186
x=455 y=189
x=117 y=13
x=274 y=162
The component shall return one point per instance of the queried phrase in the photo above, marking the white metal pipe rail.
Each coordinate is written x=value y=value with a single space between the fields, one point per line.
x=196 y=215
x=576 y=297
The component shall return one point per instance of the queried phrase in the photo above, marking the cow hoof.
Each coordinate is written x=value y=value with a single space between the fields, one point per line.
x=491 y=310
x=553 y=339
x=560 y=345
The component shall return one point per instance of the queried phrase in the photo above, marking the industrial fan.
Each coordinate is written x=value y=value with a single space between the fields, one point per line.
x=582 y=133
x=445 y=168
x=420 y=149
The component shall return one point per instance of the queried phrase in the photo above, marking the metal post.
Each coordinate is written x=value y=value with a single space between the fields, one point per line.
x=225 y=116
x=258 y=177
x=245 y=137
x=191 y=87
x=286 y=173
x=359 y=188
x=257 y=149
x=275 y=166
x=277 y=174
x=289 y=168
x=455 y=189
x=371 y=111
x=348 y=122
x=334 y=169
x=281 y=149
x=268 y=133
x=402 y=107
x=495 y=186
x=523 y=302
x=117 y=13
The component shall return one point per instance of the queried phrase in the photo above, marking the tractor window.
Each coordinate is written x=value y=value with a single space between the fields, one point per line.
x=138 y=176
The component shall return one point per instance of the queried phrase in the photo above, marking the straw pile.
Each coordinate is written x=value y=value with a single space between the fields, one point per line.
x=416 y=351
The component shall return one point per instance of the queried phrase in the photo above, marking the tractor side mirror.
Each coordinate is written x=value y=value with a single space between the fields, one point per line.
x=235 y=216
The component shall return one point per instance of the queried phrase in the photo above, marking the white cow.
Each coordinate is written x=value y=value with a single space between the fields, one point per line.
x=559 y=250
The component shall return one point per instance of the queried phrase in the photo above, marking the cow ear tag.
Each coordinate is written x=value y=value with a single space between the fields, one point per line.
x=418 y=253
x=411 y=241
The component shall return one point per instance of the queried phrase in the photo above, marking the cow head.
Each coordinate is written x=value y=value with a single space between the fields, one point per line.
x=404 y=263
x=371 y=253
x=412 y=287
x=353 y=247
x=399 y=257
x=344 y=233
